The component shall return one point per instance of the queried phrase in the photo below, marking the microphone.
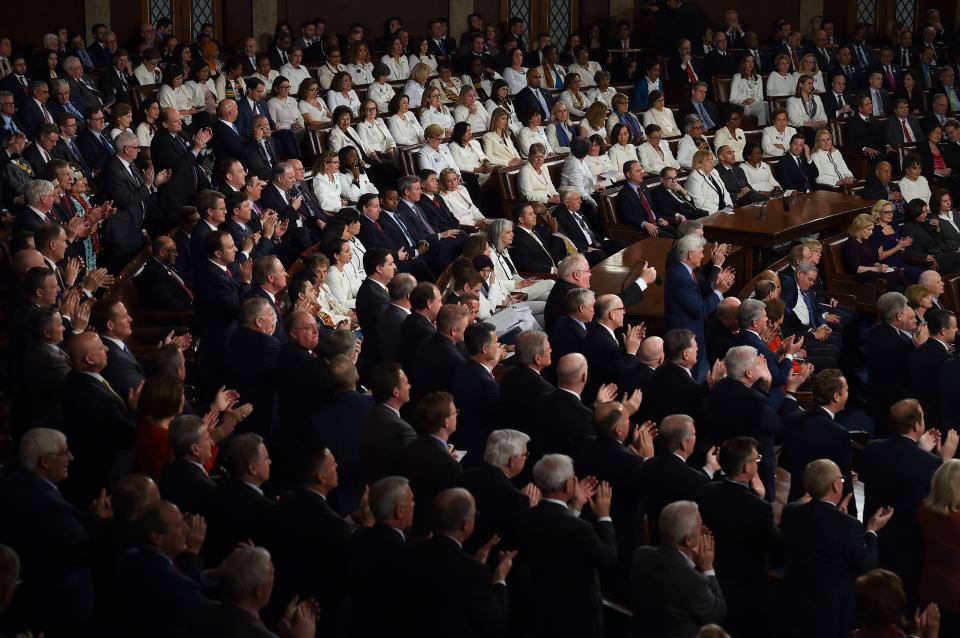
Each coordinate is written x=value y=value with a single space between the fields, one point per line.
x=763 y=213
x=786 y=204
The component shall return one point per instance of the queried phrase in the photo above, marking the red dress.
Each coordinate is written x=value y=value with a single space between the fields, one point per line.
x=153 y=450
x=940 y=577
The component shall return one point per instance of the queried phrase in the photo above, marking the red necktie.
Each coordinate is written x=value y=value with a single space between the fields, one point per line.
x=183 y=285
x=907 y=138
x=646 y=206
x=690 y=72
x=891 y=80
x=796 y=60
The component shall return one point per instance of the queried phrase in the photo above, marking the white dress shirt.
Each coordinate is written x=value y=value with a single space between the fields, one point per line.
x=405 y=129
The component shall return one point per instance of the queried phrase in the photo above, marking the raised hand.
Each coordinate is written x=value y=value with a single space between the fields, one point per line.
x=703 y=553
x=504 y=565
x=532 y=493
x=484 y=552
x=600 y=503
x=196 y=532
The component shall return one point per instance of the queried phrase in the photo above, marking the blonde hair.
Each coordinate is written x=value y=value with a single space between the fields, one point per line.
x=553 y=111
x=813 y=245
x=816 y=67
x=877 y=209
x=859 y=223
x=596 y=115
x=434 y=130
x=618 y=99
x=699 y=157
x=495 y=117
x=419 y=73
x=915 y=294
x=944 y=497
x=821 y=134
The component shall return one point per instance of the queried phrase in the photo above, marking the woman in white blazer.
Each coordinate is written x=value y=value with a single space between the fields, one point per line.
x=500 y=237
x=417 y=84
x=449 y=85
x=775 y=140
x=326 y=183
x=341 y=93
x=403 y=124
x=342 y=134
x=360 y=66
x=655 y=154
x=573 y=98
x=458 y=199
x=433 y=111
x=758 y=172
x=501 y=100
x=832 y=169
x=338 y=277
x=516 y=73
x=329 y=69
x=433 y=155
x=533 y=133
x=621 y=151
x=576 y=173
x=534 y=181
x=421 y=54
x=373 y=131
x=746 y=90
x=806 y=109
x=468 y=154
x=809 y=66
x=730 y=134
x=661 y=116
x=396 y=61
x=379 y=91
x=497 y=144
x=692 y=142
x=354 y=180
x=585 y=68
x=560 y=130
x=705 y=186
x=470 y=110
x=781 y=81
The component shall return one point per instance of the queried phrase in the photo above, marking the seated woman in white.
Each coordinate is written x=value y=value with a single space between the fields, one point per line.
x=599 y=162
x=781 y=82
x=832 y=169
x=573 y=98
x=497 y=144
x=661 y=116
x=595 y=121
x=374 y=133
x=705 y=186
x=433 y=111
x=655 y=154
x=403 y=124
x=809 y=66
x=338 y=276
x=775 y=140
x=342 y=134
x=534 y=181
x=468 y=154
x=341 y=93
x=326 y=183
x=692 y=142
x=421 y=54
x=396 y=61
x=330 y=68
x=417 y=83
x=758 y=172
x=500 y=99
x=329 y=305
x=533 y=133
x=360 y=66
x=560 y=130
x=433 y=155
x=730 y=134
x=283 y=108
x=449 y=85
x=314 y=110
x=500 y=237
x=458 y=200
x=746 y=90
x=470 y=110
x=294 y=70
x=621 y=115
x=603 y=92
x=621 y=151
x=354 y=180
x=264 y=73
x=381 y=92
x=806 y=109
x=913 y=185
x=516 y=73
x=585 y=68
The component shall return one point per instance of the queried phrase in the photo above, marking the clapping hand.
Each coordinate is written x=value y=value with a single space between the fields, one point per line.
x=643 y=439
x=484 y=552
x=102 y=507
x=532 y=493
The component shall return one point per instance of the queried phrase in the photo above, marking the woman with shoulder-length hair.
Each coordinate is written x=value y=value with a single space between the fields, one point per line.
x=805 y=109
x=705 y=186
x=500 y=237
x=940 y=527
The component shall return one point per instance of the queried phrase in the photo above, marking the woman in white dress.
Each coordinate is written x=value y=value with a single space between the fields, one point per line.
x=468 y=154
x=621 y=150
x=730 y=134
x=595 y=121
x=330 y=68
x=146 y=129
x=434 y=155
x=458 y=200
x=829 y=162
x=780 y=82
x=203 y=90
x=515 y=74
x=533 y=133
x=809 y=66
x=603 y=92
x=354 y=180
x=705 y=186
x=396 y=61
x=758 y=172
x=806 y=109
x=403 y=124
x=692 y=142
x=343 y=134
x=746 y=90
x=416 y=83
x=314 y=110
x=599 y=162
x=326 y=183
x=501 y=100
x=560 y=131
x=573 y=98
x=655 y=154
x=336 y=313
x=534 y=181
x=339 y=282
x=470 y=110
x=500 y=237
x=351 y=228
x=380 y=91
x=775 y=140
x=360 y=67
x=341 y=93
x=264 y=73
x=449 y=85
x=434 y=111
x=120 y=120
x=284 y=109
x=421 y=55
x=374 y=133
x=660 y=115
x=497 y=143
x=914 y=185
x=174 y=94
x=294 y=70
x=585 y=68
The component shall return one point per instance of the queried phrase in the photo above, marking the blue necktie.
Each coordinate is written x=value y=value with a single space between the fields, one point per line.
x=106 y=144
x=810 y=309
x=707 y=122
x=12 y=126
x=403 y=229
x=73 y=110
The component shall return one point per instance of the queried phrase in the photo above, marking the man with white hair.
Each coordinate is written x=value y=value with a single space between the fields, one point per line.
x=573 y=220
x=81 y=85
x=933 y=282
x=673 y=587
x=523 y=385
x=38 y=197
x=564 y=553
x=752 y=319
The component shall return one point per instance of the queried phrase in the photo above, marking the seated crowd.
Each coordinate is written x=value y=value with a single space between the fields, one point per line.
x=284 y=359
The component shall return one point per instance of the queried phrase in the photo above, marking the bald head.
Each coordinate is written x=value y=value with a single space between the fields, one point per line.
x=727 y=313
x=227 y=110
x=26 y=259
x=533 y=76
x=572 y=371
x=87 y=352
x=651 y=352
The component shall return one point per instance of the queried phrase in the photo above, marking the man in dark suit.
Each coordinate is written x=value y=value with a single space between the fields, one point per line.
x=392 y=318
x=804 y=319
x=795 y=170
x=742 y=523
x=251 y=364
x=159 y=285
x=169 y=150
x=19 y=82
x=110 y=318
x=283 y=195
x=239 y=510
x=699 y=105
x=927 y=361
x=251 y=105
x=532 y=249
x=563 y=422
x=300 y=374
x=464 y=593
x=476 y=391
x=825 y=550
x=881 y=100
x=262 y=157
x=734 y=179
x=580 y=223
x=98 y=427
x=888 y=345
x=850 y=69
x=440 y=355
x=523 y=385
x=720 y=61
x=609 y=361
x=673 y=587
x=444 y=245
x=635 y=207
x=896 y=473
x=419 y=325
x=34 y=112
x=94 y=142
x=269 y=281
x=814 y=434
x=428 y=461
x=683 y=68
x=115 y=82
x=862 y=134
x=835 y=104
x=372 y=300
x=894 y=131
x=436 y=210
x=570 y=329
x=532 y=98
x=880 y=184
x=82 y=86
x=562 y=554
x=383 y=432
x=227 y=142
x=671 y=199
x=184 y=481
x=793 y=48
x=673 y=390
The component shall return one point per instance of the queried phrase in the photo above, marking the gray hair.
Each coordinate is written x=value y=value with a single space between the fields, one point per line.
x=405 y=183
x=749 y=311
x=677 y=521
x=242 y=570
x=71 y=61
x=689 y=243
x=675 y=429
x=185 y=431
x=4 y=94
x=386 y=495
x=50 y=37
x=699 y=85
x=552 y=472
x=251 y=309
x=9 y=566
x=495 y=229
x=529 y=344
x=889 y=305
x=600 y=76
x=578 y=297
x=689 y=227
x=805 y=266
x=689 y=121
x=451 y=508
x=927 y=277
x=567 y=193
x=125 y=140
x=401 y=286
x=37 y=84
x=35 y=189
x=503 y=444
x=340 y=341
x=739 y=359
x=58 y=83
x=39 y=442
x=570 y=264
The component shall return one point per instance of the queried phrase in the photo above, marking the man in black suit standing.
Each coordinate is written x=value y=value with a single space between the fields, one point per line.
x=862 y=135
x=184 y=481
x=532 y=98
x=373 y=299
x=673 y=587
x=429 y=460
x=896 y=473
x=159 y=285
x=392 y=318
x=269 y=281
x=926 y=363
x=420 y=324
x=673 y=390
x=635 y=205
x=523 y=385
x=110 y=318
x=299 y=373
x=94 y=141
x=609 y=361
x=570 y=329
x=251 y=363
x=563 y=422
x=742 y=523
x=795 y=170
x=169 y=150
x=384 y=433
x=440 y=355
x=562 y=554
x=227 y=140
x=825 y=550
x=476 y=391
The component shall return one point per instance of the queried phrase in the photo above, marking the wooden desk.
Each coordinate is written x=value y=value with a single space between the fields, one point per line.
x=809 y=213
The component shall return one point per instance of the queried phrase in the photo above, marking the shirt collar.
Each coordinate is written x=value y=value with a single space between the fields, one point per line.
x=569 y=391
x=114 y=341
x=556 y=501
